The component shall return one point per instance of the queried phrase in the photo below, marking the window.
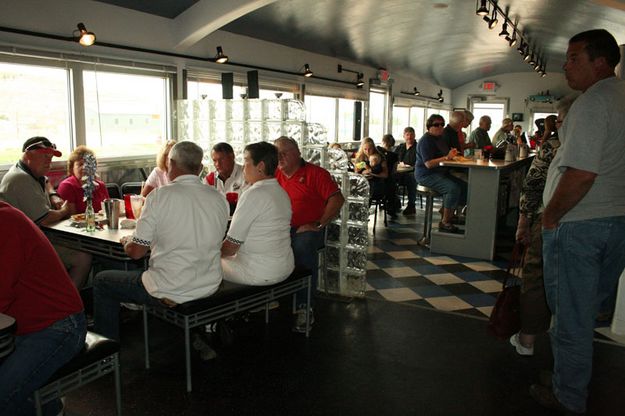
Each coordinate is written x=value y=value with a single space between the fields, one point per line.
x=401 y=119
x=496 y=112
x=417 y=120
x=322 y=110
x=535 y=116
x=377 y=115
x=211 y=90
x=34 y=102
x=113 y=102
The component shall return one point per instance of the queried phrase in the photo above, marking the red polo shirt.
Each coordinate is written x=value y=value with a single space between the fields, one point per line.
x=35 y=288
x=309 y=189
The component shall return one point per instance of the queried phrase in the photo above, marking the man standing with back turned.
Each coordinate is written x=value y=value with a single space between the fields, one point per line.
x=584 y=218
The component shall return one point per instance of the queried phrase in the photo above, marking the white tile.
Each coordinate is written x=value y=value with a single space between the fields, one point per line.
x=481 y=266
x=487 y=286
x=448 y=303
x=407 y=254
x=371 y=265
x=444 y=278
x=369 y=288
x=404 y=241
x=401 y=271
x=440 y=260
x=374 y=249
x=486 y=310
x=399 y=294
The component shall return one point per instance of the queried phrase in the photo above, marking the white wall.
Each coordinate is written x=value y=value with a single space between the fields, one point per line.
x=516 y=87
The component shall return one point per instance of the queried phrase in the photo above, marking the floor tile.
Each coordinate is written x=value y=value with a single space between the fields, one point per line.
x=481 y=266
x=400 y=294
x=400 y=271
x=402 y=254
x=404 y=241
x=478 y=300
x=425 y=269
x=455 y=268
x=431 y=291
x=486 y=310
x=463 y=289
x=371 y=265
x=472 y=276
x=444 y=278
x=415 y=281
x=489 y=286
x=448 y=303
x=384 y=282
x=374 y=249
x=388 y=263
x=369 y=288
x=440 y=260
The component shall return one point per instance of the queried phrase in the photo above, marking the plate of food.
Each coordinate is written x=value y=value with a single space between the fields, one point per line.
x=79 y=220
x=461 y=159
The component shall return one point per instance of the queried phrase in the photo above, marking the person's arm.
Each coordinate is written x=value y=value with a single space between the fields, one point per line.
x=55 y=200
x=229 y=249
x=133 y=250
x=146 y=190
x=573 y=186
x=433 y=163
x=333 y=206
x=56 y=215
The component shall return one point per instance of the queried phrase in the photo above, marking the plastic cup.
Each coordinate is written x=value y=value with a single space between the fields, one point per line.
x=232 y=198
x=128 y=207
x=136 y=203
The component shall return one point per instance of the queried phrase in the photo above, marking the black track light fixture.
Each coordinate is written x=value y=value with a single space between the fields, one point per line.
x=359 y=75
x=360 y=81
x=307 y=71
x=531 y=60
x=481 y=9
x=221 y=58
x=493 y=20
x=512 y=41
x=84 y=37
x=416 y=92
x=440 y=96
x=504 y=30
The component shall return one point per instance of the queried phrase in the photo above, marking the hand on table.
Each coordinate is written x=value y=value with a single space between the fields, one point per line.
x=124 y=239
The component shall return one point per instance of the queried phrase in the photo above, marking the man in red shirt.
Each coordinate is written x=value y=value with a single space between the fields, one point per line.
x=315 y=201
x=36 y=290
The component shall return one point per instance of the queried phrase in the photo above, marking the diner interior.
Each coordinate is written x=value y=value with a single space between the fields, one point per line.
x=409 y=335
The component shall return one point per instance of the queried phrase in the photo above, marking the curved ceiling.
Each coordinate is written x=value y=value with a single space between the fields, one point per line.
x=442 y=41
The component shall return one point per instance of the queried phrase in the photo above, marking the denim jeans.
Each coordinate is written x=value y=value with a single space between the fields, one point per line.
x=112 y=287
x=411 y=188
x=582 y=260
x=36 y=358
x=305 y=246
x=454 y=190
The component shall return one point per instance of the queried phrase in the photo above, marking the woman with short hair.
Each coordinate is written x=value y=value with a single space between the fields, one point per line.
x=257 y=249
x=71 y=190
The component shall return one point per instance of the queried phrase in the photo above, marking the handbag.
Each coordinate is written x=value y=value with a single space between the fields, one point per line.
x=505 y=319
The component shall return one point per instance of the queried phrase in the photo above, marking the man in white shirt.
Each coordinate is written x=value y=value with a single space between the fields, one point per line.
x=229 y=174
x=183 y=225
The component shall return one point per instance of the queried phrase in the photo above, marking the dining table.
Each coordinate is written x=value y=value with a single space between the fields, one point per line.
x=489 y=183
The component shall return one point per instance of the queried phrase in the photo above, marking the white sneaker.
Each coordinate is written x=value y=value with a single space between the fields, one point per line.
x=520 y=348
x=300 y=320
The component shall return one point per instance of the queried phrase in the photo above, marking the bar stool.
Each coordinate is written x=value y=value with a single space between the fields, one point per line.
x=378 y=203
x=429 y=194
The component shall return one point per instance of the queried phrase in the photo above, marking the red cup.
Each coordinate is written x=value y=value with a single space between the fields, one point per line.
x=128 y=207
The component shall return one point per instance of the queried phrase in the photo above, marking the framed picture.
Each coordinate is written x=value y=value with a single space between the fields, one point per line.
x=517 y=116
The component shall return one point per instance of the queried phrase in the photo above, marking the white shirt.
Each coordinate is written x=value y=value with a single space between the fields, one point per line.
x=183 y=223
x=261 y=226
x=235 y=183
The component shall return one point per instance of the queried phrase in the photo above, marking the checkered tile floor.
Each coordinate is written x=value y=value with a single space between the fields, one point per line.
x=399 y=270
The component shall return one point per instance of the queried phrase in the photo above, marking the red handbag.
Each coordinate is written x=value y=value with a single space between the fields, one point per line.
x=505 y=319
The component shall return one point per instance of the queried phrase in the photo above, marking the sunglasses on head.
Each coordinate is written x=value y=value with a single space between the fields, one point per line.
x=438 y=124
x=38 y=145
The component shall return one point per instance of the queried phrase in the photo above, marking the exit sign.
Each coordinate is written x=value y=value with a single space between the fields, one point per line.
x=489 y=86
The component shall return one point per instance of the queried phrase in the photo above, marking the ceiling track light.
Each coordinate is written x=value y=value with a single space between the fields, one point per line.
x=440 y=96
x=359 y=75
x=513 y=40
x=481 y=9
x=84 y=37
x=221 y=58
x=493 y=20
x=360 y=81
x=531 y=61
x=504 y=30
x=307 y=71
x=415 y=92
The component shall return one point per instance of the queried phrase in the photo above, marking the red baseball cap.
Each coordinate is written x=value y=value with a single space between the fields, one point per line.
x=40 y=145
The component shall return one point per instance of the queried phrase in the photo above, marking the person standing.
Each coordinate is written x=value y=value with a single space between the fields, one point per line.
x=584 y=217
x=315 y=200
x=407 y=156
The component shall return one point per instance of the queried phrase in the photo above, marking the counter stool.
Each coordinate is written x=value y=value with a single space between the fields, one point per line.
x=378 y=203
x=429 y=194
x=99 y=357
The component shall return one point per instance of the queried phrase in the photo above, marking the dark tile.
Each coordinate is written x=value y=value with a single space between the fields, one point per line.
x=415 y=281
x=389 y=263
x=463 y=289
x=420 y=302
x=383 y=282
x=473 y=276
x=428 y=269
x=379 y=256
x=496 y=274
x=471 y=312
x=478 y=300
x=454 y=268
x=431 y=291
x=377 y=273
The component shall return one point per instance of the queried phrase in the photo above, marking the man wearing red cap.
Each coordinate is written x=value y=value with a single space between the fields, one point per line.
x=26 y=187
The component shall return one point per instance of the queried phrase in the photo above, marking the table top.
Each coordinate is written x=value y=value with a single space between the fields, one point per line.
x=7 y=323
x=495 y=164
x=105 y=233
x=404 y=169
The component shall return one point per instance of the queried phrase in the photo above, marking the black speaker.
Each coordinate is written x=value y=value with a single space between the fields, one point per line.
x=357 y=120
x=252 y=84
x=227 y=85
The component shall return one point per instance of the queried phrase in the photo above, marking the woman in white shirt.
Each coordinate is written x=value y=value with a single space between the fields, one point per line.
x=158 y=176
x=257 y=249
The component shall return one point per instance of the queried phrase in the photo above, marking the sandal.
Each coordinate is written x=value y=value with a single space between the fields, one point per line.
x=447 y=228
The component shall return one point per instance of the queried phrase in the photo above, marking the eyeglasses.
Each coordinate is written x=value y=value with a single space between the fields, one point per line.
x=438 y=124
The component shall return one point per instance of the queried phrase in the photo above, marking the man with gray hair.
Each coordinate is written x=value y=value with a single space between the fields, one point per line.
x=452 y=134
x=503 y=135
x=182 y=225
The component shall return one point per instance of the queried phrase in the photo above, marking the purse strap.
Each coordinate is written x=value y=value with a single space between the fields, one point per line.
x=516 y=262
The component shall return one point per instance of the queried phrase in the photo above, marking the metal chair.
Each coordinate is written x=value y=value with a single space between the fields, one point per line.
x=114 y=190
x=131 y=188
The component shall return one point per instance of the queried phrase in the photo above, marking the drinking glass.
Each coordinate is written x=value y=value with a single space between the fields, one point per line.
x=136 y=202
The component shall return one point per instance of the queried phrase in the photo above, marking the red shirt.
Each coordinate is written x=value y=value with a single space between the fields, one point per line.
x=35 y=288
x=309 y=189
x=71 y=190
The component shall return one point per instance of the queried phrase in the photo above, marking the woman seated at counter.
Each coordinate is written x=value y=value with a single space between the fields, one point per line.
x=371 y=164
x=71 y=190
x=257 y=249
x=431 y=151
x=158 y=176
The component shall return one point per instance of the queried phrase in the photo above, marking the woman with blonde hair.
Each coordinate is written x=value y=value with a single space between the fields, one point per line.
x=371 y=163
x=71 y=190
x=158 y=176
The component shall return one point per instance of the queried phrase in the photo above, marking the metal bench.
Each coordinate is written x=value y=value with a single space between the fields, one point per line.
x=99 y=357
x=229 y=300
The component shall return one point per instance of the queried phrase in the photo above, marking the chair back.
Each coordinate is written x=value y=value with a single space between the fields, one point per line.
x=131 y=188
x=114 y=190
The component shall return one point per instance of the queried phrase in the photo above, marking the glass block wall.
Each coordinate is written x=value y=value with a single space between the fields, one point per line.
x=240 y=122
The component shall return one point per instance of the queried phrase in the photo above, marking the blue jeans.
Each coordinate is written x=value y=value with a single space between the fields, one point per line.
x=411 y=188
x=305 y=246
x=36 y=358
x=583 y=261
x=454 y=190
x=112 y=287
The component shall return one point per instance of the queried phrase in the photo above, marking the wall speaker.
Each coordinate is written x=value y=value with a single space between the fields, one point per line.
x=252 y=84
x=357 y=120
x=227 y=85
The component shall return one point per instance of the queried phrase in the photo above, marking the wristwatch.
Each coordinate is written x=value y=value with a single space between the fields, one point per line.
x=53 y=194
